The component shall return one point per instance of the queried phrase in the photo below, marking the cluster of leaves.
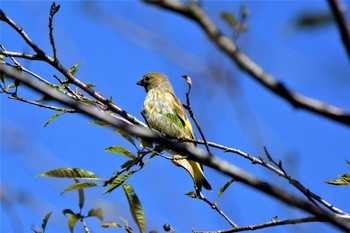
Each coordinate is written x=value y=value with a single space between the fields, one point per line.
x=76 y=174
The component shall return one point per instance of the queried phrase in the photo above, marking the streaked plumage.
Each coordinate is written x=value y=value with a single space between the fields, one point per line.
x=160 y=100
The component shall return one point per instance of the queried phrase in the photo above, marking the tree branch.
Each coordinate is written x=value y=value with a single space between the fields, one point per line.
x=339 y=15
x=194 y=153
x=265 y=225
x=195 y=13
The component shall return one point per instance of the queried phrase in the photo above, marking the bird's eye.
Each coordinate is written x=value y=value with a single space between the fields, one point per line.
x=147 y=78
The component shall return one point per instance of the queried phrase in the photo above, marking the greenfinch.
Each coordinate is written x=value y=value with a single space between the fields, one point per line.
x=164 y=112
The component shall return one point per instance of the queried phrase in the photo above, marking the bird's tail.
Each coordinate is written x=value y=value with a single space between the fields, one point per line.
x=195 y=170
x=198 y=176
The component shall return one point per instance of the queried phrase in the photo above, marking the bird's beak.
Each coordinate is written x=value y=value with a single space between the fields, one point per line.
x=140 y=83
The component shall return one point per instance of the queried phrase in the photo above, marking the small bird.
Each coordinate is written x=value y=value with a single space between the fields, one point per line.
x=160 y=102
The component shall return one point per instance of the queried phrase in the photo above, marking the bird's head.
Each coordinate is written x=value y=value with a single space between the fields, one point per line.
x=152 y=80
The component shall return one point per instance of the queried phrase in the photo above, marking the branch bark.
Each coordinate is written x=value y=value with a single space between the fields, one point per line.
x=339 y=15
x=225 y=44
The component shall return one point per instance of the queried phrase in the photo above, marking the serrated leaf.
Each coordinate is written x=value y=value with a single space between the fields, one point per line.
x=121 y=151
x=99 y=123
x=224 y=187
x=72 y=221
x=74 y=69
x=125 y=135
x=191 y=195
x=118 y=181
x=135 y=207
x=348 y=162
x=70 y=173
x=53 y=117
x=174 y=119
x=111 y=224
x=45 y=220
x=96 y=213
x=80 y=186
x=342 y=180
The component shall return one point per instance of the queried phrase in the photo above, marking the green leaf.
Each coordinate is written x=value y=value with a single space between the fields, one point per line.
x=342 y=180
x=120 y=150
x=45 y=220
x=13 y=85
x=127 y=163
x=124 y=220
x=72 y=221
x=135 y=207
x=125 y=135
x=74 y=69
x=111 y=224
x=96 y=213
x=173 y=118
x=67 y=211
x=191 y=195
x=99 y=123
x=71 y=173
x=111 y=99
x=90 y=85
x=223 y=188
x=53 y=117
x=229 y=18
x=348 y=162
x=78 y=186
x=118 y=181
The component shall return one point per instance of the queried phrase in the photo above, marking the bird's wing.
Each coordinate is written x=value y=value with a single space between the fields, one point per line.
x=180 y=112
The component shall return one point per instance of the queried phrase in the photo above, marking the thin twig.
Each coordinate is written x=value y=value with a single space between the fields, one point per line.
x=20 y=55
x=225 y=44
x=59 y=109
x=339 y=14
x=267 y=224
x=261 y=162
x=215 y=207
x=12 y=58
x=53 y=10
x=86 y=229
x=189 y=108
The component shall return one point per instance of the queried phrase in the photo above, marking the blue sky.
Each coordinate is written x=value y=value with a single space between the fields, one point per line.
x=131 y=38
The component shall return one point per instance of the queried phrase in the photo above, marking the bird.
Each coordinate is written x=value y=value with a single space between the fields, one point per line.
x=160 y=107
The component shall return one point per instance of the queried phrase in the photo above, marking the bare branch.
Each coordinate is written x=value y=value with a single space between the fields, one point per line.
x=68 y=110
x=189 y=108
x=339 y=15
x=194 y=153
x=20 y=55
x=54 y=9
x=305 y=191
x=194 y=12
x=265 y=225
